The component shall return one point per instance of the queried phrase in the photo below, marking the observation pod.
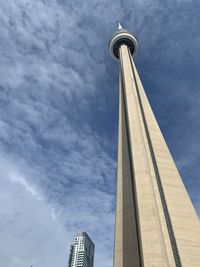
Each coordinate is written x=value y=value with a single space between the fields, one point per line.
x=122 y=37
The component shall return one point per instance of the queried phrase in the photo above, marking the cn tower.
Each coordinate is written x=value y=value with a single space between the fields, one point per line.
x=156 y=223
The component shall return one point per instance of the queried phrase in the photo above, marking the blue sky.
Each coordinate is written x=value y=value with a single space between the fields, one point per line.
x=58 y=116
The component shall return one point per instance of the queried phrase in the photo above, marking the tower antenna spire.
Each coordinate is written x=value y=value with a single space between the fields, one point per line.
x=120 y=26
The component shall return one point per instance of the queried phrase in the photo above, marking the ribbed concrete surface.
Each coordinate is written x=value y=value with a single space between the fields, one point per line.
x=156 y=224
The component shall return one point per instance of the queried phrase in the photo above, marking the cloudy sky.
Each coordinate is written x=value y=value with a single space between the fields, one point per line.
x=58 y=116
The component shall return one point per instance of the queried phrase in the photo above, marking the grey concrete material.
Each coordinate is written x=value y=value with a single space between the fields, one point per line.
x=153 y=228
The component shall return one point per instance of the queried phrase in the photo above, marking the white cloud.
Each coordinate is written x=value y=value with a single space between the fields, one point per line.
x=28 y=233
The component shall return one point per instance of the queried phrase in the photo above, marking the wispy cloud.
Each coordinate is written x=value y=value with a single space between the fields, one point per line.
x=27 y=227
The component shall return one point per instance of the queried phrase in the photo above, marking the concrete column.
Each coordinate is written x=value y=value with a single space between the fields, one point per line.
x=156 y=224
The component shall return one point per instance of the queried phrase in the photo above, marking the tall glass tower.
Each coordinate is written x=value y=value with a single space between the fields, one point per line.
x=82 y=251
x=156 y=224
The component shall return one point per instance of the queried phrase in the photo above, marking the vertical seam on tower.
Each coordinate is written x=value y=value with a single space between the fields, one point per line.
x=119 y=145
x=131 y=164
x=158 y=178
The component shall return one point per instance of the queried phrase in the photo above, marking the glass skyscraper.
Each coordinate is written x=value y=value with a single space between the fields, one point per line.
x=82 y=251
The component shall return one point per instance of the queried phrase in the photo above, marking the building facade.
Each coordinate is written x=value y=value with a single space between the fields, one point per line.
x=82 y=251
x=156 y=223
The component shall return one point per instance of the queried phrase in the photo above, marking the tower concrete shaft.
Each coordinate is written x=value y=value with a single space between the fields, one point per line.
x=156 y=224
